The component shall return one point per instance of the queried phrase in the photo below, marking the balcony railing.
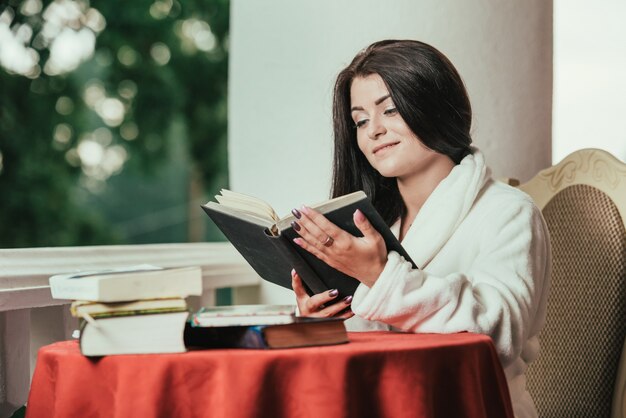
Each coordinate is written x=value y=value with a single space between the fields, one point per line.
x=30 y=318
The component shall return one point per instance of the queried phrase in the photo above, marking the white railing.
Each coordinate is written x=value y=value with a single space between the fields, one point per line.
x=30 y=318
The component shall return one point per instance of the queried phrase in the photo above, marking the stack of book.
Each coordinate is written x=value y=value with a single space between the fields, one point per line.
x=136 y=310
x=261 y=326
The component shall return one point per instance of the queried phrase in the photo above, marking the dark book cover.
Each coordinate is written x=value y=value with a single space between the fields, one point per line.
x=303 y=332
x=273 y=257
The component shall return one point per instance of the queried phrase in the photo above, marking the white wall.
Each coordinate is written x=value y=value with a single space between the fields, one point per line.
x=285 y=54
x=589 y=77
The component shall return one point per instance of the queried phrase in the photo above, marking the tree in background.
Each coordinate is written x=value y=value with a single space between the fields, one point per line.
x=91 y=94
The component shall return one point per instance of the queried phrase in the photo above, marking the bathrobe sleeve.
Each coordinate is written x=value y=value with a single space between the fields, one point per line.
x=498 y=295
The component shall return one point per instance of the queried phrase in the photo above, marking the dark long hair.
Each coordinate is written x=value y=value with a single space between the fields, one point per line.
x=429 y=95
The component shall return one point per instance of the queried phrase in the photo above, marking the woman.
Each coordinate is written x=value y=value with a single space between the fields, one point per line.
x=402 y=122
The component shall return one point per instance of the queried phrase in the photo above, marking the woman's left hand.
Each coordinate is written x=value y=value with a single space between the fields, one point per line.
x=363 y=258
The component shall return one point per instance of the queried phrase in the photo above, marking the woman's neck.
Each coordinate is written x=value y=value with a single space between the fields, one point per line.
x=417 y=188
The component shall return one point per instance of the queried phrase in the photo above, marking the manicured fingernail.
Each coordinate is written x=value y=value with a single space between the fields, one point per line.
x=358 y=215
x=295 y=226
x=347 y=299
x=333 y=293
x=304 y=209
x=293 y=272
x=298 y=241
x=296 y=213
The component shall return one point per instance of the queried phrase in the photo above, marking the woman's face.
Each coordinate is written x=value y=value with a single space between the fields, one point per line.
x=383 y=137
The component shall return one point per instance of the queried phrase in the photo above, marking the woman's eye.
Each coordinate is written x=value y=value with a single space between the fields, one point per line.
x=360 y=123
x=391 y=111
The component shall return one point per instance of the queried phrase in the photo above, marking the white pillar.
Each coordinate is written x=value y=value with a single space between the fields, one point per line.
x=14 y=360
x=285 y=55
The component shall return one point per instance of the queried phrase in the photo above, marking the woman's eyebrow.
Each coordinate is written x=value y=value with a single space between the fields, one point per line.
x=377 y=102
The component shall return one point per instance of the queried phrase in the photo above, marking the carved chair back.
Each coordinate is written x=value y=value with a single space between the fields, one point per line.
x=581 y=371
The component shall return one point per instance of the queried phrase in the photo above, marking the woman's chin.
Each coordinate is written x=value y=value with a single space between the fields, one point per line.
x=388 y=172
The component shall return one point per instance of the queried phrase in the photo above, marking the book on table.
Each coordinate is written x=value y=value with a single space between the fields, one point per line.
x=84 y=308
x=261 y=326
x=138 y=327
x=265 y=240
x=127 y=283
x=242 y=315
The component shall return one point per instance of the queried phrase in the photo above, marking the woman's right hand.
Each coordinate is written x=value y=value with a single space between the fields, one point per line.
x=315 y=306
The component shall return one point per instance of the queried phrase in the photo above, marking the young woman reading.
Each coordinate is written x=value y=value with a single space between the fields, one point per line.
x=402 y=122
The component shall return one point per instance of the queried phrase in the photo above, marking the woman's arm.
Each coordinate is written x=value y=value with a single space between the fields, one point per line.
x=500 y=295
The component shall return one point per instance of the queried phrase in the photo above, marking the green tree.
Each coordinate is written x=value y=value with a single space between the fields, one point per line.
x=157 y=76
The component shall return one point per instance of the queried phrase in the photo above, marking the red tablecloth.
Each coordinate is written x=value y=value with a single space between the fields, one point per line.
x=378 y=374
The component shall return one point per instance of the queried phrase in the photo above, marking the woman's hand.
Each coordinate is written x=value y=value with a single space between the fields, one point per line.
x=363 y=258
x=314 y=306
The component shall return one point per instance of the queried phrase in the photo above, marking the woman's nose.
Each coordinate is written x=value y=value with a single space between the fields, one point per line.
x=376 y=128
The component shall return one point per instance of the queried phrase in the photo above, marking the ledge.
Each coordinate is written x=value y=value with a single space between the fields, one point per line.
x=24 y=272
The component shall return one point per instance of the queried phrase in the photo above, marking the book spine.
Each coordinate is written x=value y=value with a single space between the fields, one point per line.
x=253 y=338
x=225 y=337
x=82 y=324
x=134 y=312
x=311 y=280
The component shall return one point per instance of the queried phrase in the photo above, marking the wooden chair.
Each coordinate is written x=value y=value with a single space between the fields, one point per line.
x=581 y=368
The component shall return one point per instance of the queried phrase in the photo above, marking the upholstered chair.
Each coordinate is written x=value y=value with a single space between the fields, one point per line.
x=581 y=368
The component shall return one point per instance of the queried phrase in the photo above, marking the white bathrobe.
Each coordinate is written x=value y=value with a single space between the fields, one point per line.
x=484 y=264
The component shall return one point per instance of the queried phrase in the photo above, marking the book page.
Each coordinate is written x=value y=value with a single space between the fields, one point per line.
x=246 y=310
x=245 y=203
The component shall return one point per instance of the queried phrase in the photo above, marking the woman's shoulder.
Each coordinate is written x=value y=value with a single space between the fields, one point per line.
x=502 y=192
x=500 y=198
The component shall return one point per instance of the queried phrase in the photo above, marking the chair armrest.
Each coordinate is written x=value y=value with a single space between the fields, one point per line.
x=510 y=181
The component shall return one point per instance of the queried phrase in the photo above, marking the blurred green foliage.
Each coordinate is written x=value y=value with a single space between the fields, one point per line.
x=174 y=124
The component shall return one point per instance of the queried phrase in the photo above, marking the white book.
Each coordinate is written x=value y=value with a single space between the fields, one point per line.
x=128 y=283
x=244 y=315
x=136 y=334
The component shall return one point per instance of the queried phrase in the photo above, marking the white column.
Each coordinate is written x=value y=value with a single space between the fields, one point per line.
x=285 y=55
x=14 y=360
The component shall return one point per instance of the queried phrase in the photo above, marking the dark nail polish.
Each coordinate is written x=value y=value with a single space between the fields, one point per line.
x=347 y=299
x=296 y=213
x=333 y=292
x=295 y=226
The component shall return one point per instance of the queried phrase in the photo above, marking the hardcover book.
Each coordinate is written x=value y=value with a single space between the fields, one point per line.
x=87 y=309
x=127 y=284
x=134 y=334
x=265 y=240
x=303 y=332
x=240 y=315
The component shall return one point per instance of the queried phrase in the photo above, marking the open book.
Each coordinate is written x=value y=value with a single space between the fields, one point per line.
x=265 y=240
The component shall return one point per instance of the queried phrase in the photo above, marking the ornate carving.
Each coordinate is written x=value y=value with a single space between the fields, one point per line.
x=610 y=174
x=557 y=175
x=600 y=165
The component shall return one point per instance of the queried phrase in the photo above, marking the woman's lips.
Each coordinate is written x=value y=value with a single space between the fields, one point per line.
x=384 y=147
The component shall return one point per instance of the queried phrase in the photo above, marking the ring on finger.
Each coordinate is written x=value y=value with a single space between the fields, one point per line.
x=328 y=242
